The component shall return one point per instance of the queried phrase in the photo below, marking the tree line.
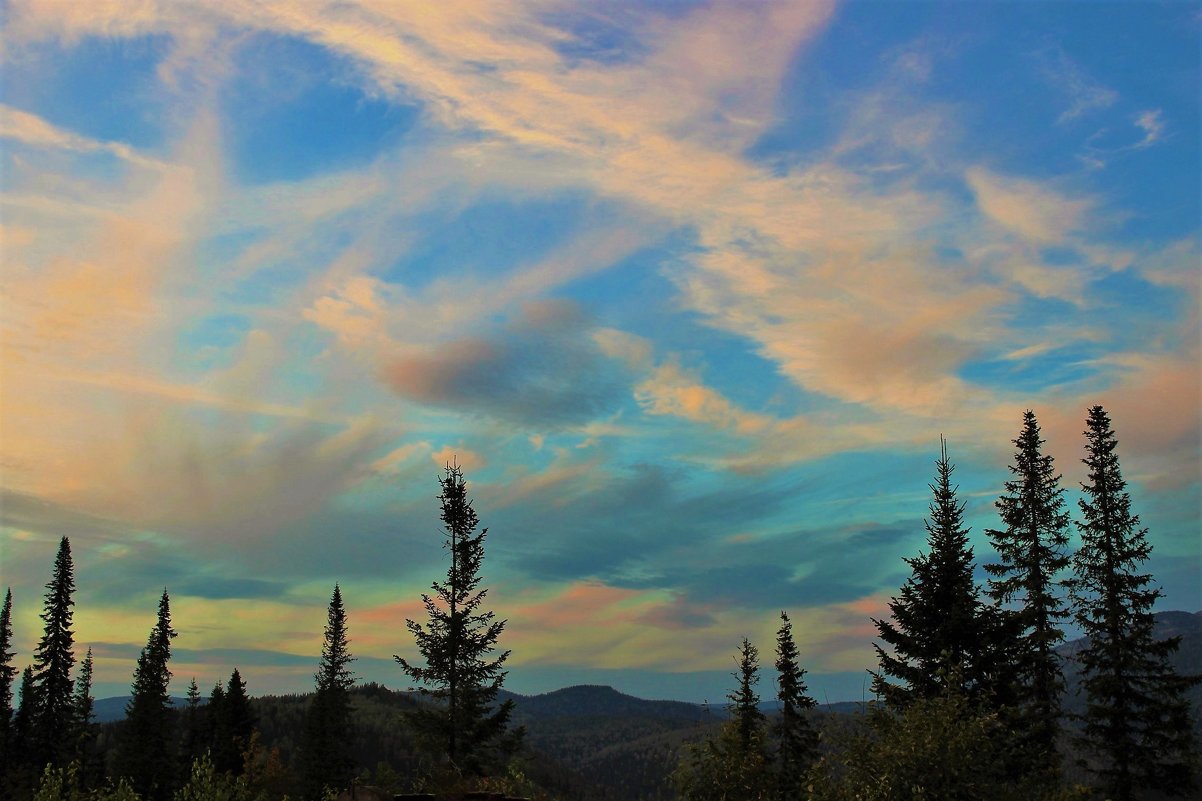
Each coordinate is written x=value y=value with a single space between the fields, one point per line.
x=969 y=683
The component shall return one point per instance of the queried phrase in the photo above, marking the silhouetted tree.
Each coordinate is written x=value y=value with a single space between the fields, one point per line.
x=221 y=748
x=940 y=629
x=239 y=721
x=8 y=674
x=734 y=764
x=1137 y=719
x=457 y=643
x=192 y=744
x=85 y=726
x=798 y=741
x=53 y=661
x=325 y=750
x=1032 y=550
x=147 y=754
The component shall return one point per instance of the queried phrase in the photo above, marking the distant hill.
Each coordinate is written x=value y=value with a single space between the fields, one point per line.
x=108 y=710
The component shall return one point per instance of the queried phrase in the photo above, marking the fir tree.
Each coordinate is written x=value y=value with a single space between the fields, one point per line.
x=457 y=643
x=940 y=630
x=326 y=743
x=1137 y=719
x=8 y=673
x=798 y=741
x=53 y=661
x=84 y=703
x=1032 y=552
x=146 y=754
x=220 y=738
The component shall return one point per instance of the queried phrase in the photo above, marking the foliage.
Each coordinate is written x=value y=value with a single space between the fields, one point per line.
x=147 y=753
x=206 y=783
x=940 y=628
x=326 y=747
x=1137 y=719
x=460 y=674
x=1032 y=552
x=53 y=661
x=932 y=749
x=798 y=741
x=63 y=784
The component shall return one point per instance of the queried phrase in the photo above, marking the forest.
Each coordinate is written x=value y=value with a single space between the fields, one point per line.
x=976 y=694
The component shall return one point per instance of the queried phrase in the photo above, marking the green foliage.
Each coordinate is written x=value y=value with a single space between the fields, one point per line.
x=326 y=747
x=1032 y=551
x=63 y=784
x=457 y=644
x=53 y=661
x=1137 y=719
x=940 y=628
x=147 y=753
x=206 y=783
x=932 y=749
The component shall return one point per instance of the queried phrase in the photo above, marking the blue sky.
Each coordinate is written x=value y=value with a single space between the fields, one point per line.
x=691 y=290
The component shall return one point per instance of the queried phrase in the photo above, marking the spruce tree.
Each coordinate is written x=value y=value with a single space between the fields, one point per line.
x=1024 y=584
x=53 y=661
x=457 y=644
x=744 y=704
x=1137 y=720
x=25 y=720
x=940 y=630
x=8 y=674
x=220 y=738
x=193 y=740
x=238 y=722
x=798 y=741
x=326 y=746
x=146 y=752
x=91 y=768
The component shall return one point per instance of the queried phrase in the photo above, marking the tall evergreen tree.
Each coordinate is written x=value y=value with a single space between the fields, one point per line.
x=733 y=765
x=940 y=630
x=1032 y=548
x=84 y=705
x=457 y=644
x=744 y=704
x=220 y=738
x=8 y=674
x=798 y=740
x=53 y=661
x=1137 y=720
x=239 y=724
x=326 y=746
x=146 y=752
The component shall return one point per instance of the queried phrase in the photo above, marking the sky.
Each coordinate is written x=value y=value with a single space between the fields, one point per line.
x=689 y=290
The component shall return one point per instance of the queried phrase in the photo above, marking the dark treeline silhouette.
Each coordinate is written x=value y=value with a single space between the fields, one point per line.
x=969 y=687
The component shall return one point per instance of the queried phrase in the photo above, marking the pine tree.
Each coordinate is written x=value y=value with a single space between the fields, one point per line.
x=1137 y=719
x=8 y=673
x=327 y=758
x=1032 y=552
x=53 y=661
x=457 y=643
x=146 y=753
x=797 y=738
x=940 y=630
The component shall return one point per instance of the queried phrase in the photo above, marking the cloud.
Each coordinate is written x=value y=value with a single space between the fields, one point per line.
x=1151 y=122
x=1026 y=208
x=29 y=129
x=1082 y=93
x=542 y=370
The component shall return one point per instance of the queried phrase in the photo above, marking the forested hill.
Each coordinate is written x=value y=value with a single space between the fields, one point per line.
x=591 y=700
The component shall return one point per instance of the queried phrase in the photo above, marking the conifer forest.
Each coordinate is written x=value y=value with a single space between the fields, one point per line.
x=969 y=700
